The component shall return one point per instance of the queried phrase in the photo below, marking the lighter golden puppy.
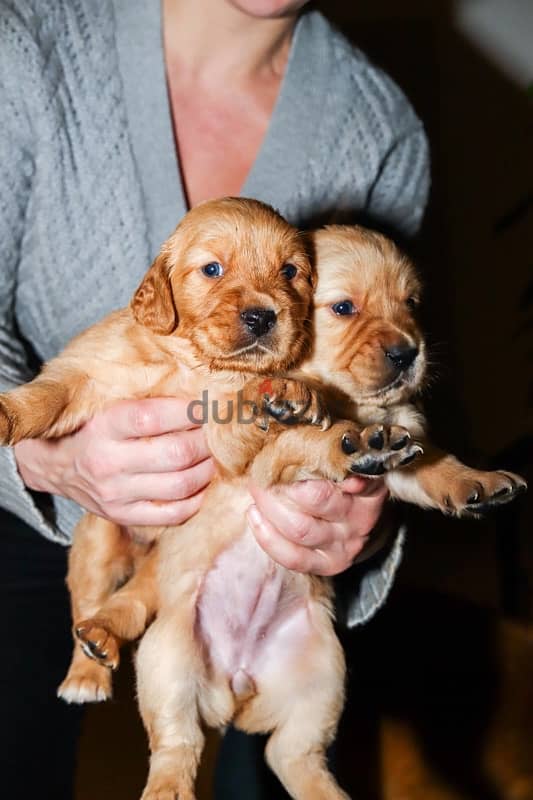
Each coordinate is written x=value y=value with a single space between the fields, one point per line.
x=370 y=358
x=185 y=331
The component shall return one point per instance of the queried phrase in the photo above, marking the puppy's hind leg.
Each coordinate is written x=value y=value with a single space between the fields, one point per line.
x=299 y=760
x=124 y=617
x=168 y=672
x=304 y=693
x=100 y=558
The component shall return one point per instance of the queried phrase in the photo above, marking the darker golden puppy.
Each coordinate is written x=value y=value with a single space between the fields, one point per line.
x=227 y=299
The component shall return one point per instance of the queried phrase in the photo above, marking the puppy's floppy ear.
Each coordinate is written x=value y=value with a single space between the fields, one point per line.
x=153 y=303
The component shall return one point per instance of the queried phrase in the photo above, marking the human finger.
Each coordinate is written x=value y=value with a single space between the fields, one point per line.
x=164 y=485
x=154 y=513
x=282 y=550
x=166 y=453
x=133 y=419
x=301 y=528
x=321 y=499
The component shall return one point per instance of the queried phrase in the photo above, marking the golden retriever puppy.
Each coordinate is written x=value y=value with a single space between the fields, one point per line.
x=185 y=331
x=370 y=358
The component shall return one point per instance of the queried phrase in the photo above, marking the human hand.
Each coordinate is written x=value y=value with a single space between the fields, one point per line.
x=316 y=526
x=138 y=462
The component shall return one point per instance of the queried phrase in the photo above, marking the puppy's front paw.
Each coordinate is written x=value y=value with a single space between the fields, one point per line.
x=378 y=449
x=474 y=493
x=292 y=402
x=87 y=683
x=98 y=643
x=370 y=452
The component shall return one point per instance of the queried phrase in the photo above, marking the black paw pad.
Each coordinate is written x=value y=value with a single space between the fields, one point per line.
x=408 y=459
x=502 y=492
x=368 y=468
x=400 y=443
x=282 y=411
x=95 y=650
x=348 y=445
x=473 y=498
x=376 y=440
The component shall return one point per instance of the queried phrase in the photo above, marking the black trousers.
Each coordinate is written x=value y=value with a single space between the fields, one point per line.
x=39 y=733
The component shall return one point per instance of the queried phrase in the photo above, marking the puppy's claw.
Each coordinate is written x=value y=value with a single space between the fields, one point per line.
x=474 y=497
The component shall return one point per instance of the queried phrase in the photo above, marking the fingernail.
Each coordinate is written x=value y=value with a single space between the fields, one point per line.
x=254 y=517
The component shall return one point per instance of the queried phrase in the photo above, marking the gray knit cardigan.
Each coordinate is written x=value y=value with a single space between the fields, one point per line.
x=90 y=184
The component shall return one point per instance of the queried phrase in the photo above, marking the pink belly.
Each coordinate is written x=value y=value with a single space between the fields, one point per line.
x=251 y=612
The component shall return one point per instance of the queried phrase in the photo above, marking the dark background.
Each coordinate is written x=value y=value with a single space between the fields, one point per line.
x=441 y=695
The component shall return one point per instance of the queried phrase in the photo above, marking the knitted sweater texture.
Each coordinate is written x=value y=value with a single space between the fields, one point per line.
x=90 y=183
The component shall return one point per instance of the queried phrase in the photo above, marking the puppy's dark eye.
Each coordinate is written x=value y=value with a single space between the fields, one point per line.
x=344 y=309
x=213 y=270
x=411 y=303
x=289 y=270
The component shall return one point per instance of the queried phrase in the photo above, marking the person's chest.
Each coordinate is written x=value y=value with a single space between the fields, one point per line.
x=218 y=133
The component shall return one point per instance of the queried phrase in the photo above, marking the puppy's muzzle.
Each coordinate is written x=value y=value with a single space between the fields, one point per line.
x=401 y=357
x=259 y=321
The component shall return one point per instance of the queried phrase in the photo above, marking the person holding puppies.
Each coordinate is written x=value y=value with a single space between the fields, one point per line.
x=117 y=117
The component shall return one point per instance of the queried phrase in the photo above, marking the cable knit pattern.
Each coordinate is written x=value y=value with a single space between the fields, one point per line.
x=89 y=183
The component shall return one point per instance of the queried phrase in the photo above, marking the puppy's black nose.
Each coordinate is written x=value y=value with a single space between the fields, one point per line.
x=401 y=357
x=259 y=321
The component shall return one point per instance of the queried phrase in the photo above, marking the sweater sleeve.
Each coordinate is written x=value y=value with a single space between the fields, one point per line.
x=19 y=63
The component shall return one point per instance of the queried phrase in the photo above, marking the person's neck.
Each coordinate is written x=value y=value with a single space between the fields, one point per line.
x=212 y=40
